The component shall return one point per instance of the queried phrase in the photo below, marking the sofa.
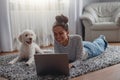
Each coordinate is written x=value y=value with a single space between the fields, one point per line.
x=102 y=19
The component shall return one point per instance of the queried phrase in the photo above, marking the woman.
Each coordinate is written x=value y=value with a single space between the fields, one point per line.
x=73 y=44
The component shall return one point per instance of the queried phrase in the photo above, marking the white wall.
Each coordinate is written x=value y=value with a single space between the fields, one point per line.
x=108 y=0
x=86 y=2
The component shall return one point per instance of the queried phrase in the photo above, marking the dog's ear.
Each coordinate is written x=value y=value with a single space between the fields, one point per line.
x=34 y=36
x=20 y=38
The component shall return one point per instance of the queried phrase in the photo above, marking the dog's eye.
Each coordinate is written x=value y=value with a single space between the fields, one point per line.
x=26 y=35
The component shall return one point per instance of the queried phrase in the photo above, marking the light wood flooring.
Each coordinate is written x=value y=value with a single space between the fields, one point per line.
x=109 y=73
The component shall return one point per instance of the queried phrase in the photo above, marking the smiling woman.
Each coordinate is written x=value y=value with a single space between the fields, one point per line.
x=37 y=15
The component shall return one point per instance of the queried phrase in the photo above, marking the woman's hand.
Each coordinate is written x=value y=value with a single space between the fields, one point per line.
x=71 y=66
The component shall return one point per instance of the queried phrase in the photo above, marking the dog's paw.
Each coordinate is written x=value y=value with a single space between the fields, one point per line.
x=27 y=64
x=11 y=62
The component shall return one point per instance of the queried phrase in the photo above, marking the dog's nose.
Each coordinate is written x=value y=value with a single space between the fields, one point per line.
x=30 y=38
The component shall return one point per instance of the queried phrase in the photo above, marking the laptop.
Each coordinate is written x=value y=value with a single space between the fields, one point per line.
x=52 y=64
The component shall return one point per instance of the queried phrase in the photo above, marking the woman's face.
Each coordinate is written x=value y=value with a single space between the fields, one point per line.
x=60 y=34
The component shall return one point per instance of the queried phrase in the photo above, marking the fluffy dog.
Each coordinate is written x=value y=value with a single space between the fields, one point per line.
x=28 y=47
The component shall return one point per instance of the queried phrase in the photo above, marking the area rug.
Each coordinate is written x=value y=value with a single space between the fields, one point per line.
x=20 y=71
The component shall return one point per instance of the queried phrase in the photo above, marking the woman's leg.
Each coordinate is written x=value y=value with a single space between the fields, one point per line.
x=101 y=42
x=96 y=47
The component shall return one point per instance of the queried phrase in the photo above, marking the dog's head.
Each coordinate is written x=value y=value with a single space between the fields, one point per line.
x=27 y=37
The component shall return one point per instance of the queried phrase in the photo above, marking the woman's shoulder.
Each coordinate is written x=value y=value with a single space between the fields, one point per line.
x=75 y=36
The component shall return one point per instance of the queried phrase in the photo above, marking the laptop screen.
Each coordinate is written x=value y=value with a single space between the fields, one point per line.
x=52 y=64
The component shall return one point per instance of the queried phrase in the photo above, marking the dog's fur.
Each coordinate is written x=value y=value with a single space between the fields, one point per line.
x=28 y=47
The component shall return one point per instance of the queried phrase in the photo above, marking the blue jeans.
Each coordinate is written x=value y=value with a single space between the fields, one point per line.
x=96 y=47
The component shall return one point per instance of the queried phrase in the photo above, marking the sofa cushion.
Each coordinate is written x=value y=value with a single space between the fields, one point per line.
x=105 y=26
x=104 y=19
x=102 y=10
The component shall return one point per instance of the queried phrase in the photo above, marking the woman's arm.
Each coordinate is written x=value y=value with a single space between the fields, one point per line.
x=79 y=49
x=55 y=47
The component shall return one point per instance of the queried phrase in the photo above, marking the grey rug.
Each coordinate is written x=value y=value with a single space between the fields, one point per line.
x=20 y=71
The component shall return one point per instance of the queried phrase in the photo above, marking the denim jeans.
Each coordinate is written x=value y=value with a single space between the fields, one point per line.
x=96 y=47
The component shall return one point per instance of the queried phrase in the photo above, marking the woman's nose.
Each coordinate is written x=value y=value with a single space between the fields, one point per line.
x=58 y=36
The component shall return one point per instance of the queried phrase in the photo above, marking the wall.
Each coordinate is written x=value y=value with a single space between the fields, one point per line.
x=86 y=2
x=108 y=0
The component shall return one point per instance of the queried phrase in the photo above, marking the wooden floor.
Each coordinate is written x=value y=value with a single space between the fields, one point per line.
x=109 y=73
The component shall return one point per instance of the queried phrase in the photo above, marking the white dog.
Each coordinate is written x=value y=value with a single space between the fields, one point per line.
x=28 y=47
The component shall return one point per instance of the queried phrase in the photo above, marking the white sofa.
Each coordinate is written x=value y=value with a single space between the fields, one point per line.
x=102 y=18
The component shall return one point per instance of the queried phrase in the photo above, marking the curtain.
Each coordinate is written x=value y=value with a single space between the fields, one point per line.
x=75 y=11
x=5 y=30
x=37 y=15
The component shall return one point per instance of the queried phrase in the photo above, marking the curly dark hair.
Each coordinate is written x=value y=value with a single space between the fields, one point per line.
x=62 y=21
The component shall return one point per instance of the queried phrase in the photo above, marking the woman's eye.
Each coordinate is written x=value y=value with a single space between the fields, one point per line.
x=60 y=33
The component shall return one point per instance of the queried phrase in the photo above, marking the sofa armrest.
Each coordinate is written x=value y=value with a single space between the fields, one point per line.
x=116 y=16
x=117 y=19
x=88 y=17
